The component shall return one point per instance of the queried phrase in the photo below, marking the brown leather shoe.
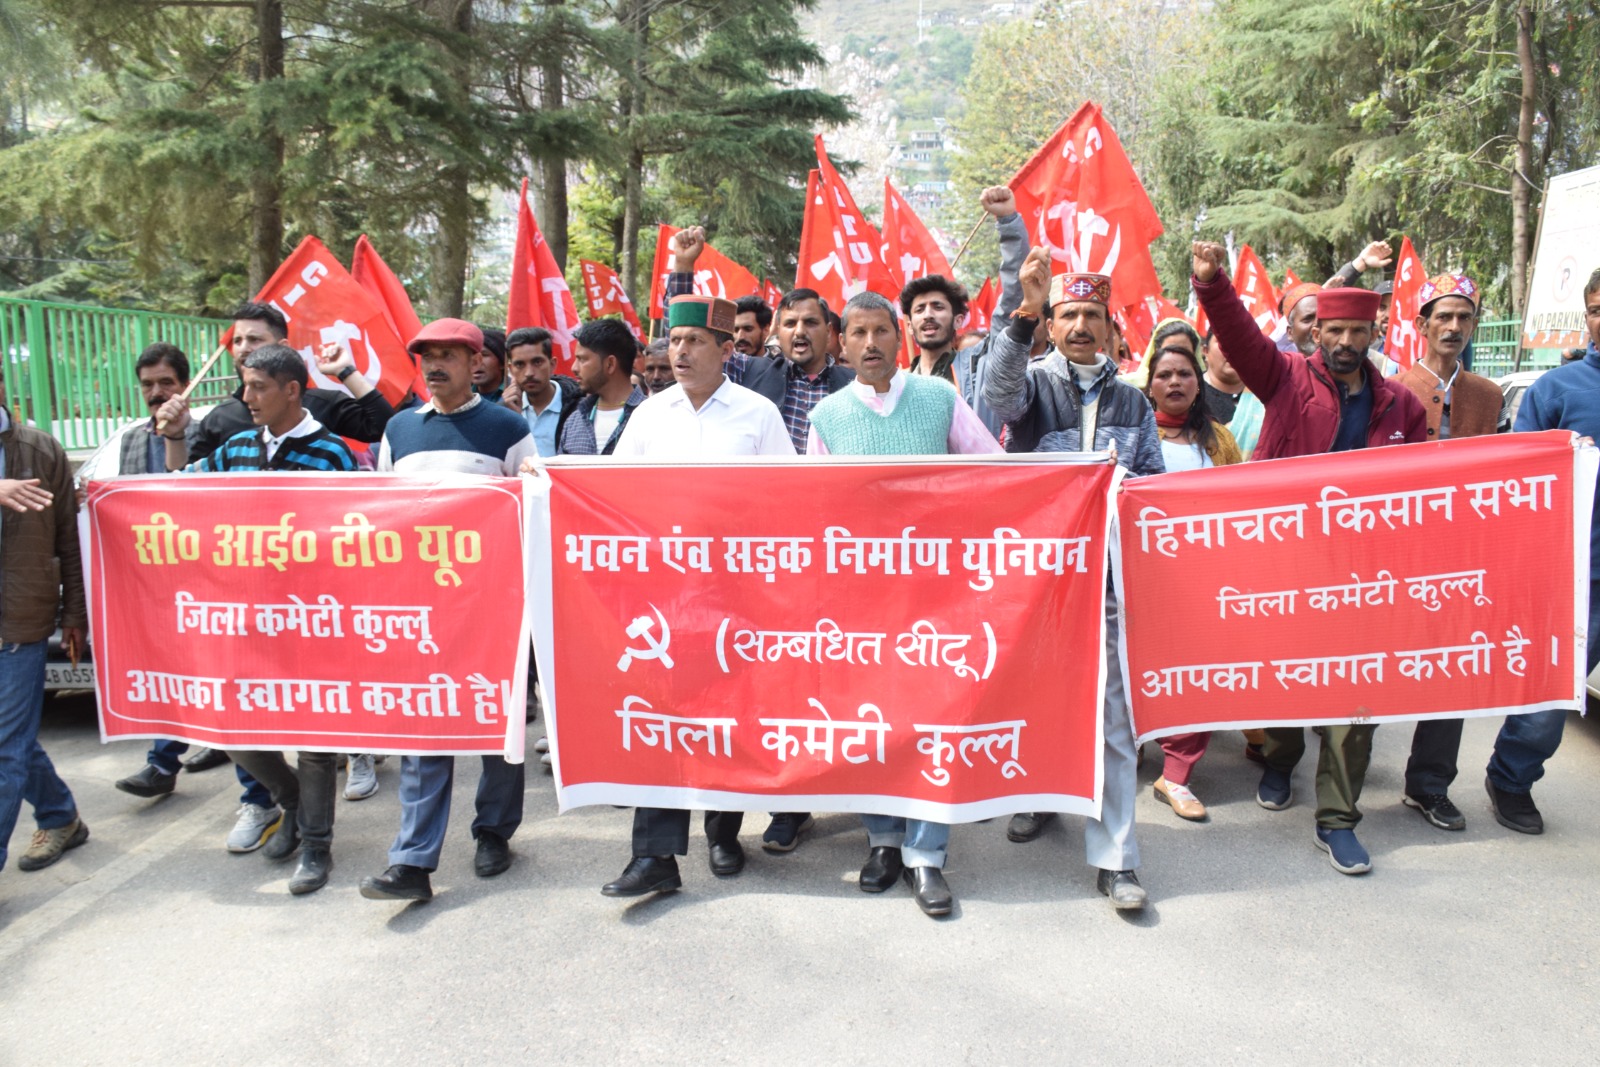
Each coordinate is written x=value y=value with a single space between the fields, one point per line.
x=1184 y=803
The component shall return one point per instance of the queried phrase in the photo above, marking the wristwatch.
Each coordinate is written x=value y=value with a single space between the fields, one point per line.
x=342 y=375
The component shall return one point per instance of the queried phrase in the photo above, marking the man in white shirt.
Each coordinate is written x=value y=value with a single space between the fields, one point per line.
x=703 y=416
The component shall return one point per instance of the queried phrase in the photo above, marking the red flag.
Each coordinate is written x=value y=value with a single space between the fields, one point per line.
x=1139 y=322
x=1290 y=279
x=841 y=253
x=373 y=274
x=539 y=293
x=603 y=292
x=980 y=309
x=714 y=274
x=771 y=293
x=1081 y=198
x=909 y=250
x=324 y=305
x=1403 y=343
x=1255 y=289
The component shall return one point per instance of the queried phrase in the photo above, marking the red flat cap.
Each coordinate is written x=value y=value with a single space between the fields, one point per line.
x=447 y=332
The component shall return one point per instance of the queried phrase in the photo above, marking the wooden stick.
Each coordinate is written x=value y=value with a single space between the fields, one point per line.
x=212 y=362
x=963 y=249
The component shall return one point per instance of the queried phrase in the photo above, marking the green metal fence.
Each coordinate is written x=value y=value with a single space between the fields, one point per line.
x=1495 y=347
x=68 y=368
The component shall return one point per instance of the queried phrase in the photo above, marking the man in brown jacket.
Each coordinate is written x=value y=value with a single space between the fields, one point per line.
x=41 y=578
x=1458 y=403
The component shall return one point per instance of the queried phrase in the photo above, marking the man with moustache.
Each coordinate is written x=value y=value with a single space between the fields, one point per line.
x=887 y=412
x=1072 y=400
x=1458 y=403
x=456 y=431
x=1330 y=401
x=751 y=325
x=794 y=383
x=655 y=369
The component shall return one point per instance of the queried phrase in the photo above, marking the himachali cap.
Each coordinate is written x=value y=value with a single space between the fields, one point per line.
x=1447 y=285
x=447 y=332
x=1296 y=293
x=707 y=312
x=1357 y=305
x=1068 y=288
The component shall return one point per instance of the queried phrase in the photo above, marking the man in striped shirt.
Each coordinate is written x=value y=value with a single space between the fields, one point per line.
x=286 y=438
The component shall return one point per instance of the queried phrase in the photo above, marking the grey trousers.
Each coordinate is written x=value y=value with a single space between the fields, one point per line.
x=1108 y=841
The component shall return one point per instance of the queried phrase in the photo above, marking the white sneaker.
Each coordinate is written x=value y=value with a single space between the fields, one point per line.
x=362 y=780
x=255 y=825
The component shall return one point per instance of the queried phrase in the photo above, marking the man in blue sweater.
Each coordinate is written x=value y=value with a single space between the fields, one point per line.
x=458 y=430
x=1565 y=398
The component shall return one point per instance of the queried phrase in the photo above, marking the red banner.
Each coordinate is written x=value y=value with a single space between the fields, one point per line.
x=338 y=613
x=324 y=305
x=714 y=274
x=920 y=638
x=1359 y=587
x=1403 y=343
x=603 y=292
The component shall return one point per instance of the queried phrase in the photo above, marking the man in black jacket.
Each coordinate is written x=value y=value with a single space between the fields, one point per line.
x=359 y=415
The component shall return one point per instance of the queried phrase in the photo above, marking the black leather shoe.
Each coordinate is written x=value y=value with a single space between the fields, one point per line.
x=1515 y=811
x=494 y=855
x=727 y=860
x=1027 y=825
x=1123 y=888
x=646 y=874
x=882 y=869
x=928 y=886
x=285 y=839
x=151 y=781
x=205 y=759
x=312 y=872
x=400 y=882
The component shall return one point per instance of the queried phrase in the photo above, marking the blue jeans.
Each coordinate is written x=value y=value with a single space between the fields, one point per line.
x=163 y=756
x=1526 y=741
x=921 y=844
x=26 y=773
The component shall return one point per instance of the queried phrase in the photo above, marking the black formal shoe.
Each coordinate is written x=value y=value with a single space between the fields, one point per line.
x=1515 y=811
x=882 y=869
x=1437 y=809
x=285 y=839
x=400 y=882
x=928 y=886
x=311 y=874
x=1027 y=825
x=727 y=860
x=151 y=781
x=1123 y=888
x=205 y=759
x=645 y=874
x=494 y=855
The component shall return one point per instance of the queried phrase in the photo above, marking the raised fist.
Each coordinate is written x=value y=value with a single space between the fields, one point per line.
x=686 y=245
x=998 y=201
x=1035 y=279
x=1210 y=259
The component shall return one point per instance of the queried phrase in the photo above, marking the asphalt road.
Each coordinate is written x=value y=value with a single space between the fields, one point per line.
x=151 y=944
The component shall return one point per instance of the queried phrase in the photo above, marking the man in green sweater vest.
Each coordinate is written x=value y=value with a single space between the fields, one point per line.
x=887 y=412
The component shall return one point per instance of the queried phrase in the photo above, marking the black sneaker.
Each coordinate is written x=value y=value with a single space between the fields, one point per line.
x=1515 y=811
x=1437 y=809
x=1275 y=791
x=784 y=832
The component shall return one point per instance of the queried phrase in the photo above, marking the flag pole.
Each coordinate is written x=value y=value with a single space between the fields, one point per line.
x=963 y=249
x=218 y=354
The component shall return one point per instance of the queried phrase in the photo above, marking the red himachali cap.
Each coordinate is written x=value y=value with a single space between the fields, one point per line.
x=1358 y=305
x=447 y=332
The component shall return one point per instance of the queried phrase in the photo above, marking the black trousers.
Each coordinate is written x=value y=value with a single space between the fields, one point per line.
x=1434 y=747
x=665 y=831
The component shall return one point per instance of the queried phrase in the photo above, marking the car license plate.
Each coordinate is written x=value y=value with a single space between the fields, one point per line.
x=66 y=676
